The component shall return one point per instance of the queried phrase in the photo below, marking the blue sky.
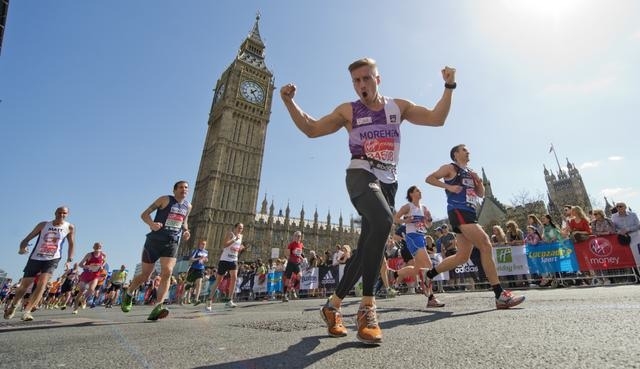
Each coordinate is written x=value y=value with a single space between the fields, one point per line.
x=105 y=105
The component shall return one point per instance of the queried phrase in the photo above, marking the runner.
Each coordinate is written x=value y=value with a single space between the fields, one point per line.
x=44 y=258
x=92 y=263
x=373 y=125
x=199 y=257
x=118 y=278
x=464 y=190
x=168 y=226
x=293 y=266
x=228 y=264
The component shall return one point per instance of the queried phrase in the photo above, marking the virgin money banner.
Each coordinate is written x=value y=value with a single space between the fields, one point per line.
x=510 y=260
x=551 y=257
x=309 y=279
x=603 y=252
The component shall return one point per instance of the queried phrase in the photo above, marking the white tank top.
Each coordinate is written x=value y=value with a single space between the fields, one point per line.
x=418 y=222
x=50 y=241
x=230 y=253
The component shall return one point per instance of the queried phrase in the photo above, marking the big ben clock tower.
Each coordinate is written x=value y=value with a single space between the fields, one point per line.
x=226 y=189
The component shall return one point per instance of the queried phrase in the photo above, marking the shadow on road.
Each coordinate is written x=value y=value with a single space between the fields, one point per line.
x=51 y=324
x=299 y=355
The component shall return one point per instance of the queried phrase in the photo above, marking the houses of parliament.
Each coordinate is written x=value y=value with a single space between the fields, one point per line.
x=227 y=184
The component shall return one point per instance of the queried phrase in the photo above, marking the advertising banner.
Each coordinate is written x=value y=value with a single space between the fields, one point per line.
x=309 y=279
x=602 y=253
x=552 y=257
x=510 y=260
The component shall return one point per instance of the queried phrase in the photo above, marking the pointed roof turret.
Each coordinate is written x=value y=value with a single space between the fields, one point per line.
x=263 y=207
x=255 y=31
x=252 y=49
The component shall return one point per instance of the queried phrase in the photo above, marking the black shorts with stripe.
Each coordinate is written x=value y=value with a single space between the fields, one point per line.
x=458 y=217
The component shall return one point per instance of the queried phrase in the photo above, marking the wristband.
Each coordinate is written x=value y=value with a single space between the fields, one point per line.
x=450 y=86
x=69 y=260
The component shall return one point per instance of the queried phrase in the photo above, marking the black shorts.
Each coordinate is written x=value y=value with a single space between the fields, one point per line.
x=66 y=286
x=291 y=268
x=458 y=217
x=34 y=267
x=114 y=287
x=406 y=254
x=155 y=249
x=194 y=274
x=225 y=266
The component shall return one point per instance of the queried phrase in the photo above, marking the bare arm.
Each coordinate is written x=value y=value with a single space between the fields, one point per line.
x=307 y=124
x=428 y=219
x=71 y=237
x=444 y=172
x=186 y=234
x=420 y=115
x=398 y=218
x=231 y=238
x=83 y=263
x=160 y=203
x=25 y=242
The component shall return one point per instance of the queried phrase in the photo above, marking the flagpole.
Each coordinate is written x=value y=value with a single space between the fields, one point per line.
x=556 y=156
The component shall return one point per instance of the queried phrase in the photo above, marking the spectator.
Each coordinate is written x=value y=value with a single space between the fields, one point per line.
x=336 y=255
x=627 y=224
x=601 y=225
x=515 y=236
x=550 y=231
x=533 y=220
x=579 y=228
x=345 y=254
x=498 y=238
x=533 y=236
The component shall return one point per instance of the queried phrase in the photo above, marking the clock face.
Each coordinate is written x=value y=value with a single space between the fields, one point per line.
x=252 y=92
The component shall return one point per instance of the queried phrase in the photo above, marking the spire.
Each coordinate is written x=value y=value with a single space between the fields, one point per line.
x=263 y=208
x=252 y=49
x=488 y=192
x=255 y=31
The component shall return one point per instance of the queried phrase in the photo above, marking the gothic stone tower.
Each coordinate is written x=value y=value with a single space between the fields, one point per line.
x=566 y=189
x=226 y=189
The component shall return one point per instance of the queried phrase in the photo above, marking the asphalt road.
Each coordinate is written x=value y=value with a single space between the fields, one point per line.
x=579 y=327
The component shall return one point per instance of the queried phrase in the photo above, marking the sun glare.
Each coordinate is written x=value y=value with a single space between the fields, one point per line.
x=555 y=9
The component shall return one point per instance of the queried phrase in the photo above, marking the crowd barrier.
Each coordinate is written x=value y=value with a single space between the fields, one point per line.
x=597 y=258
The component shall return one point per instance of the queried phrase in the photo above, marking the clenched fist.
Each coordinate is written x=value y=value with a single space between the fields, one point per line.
x=288 y=91
x=449 y=74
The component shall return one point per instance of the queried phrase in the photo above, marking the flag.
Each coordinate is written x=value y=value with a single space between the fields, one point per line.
x=551 y=149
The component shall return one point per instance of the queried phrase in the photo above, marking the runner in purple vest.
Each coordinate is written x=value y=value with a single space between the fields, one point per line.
x=373 y=122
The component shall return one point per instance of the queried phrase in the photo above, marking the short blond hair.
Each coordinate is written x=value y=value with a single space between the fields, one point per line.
x=364 y=62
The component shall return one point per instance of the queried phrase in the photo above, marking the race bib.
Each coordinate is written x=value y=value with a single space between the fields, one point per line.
x=174 y=221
